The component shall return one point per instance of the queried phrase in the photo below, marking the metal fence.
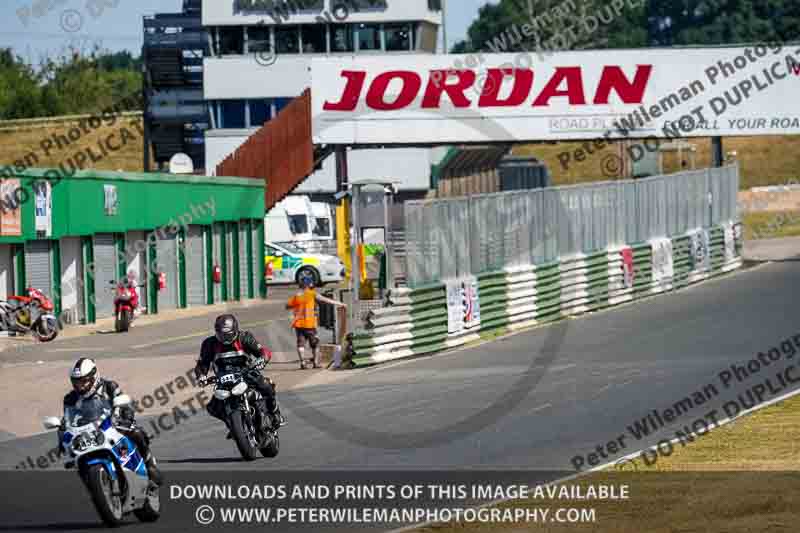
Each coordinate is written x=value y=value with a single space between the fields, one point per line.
x=451 y=238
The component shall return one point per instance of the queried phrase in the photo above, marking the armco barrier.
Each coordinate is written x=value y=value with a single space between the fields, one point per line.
x=415 y=321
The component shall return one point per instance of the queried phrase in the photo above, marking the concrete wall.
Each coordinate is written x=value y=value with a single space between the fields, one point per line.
x=242 y=77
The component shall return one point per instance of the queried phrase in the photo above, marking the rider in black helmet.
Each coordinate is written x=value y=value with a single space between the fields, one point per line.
x=228 y=337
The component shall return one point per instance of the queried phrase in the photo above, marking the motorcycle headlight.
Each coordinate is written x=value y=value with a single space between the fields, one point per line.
x=99 y=438
x=239 y=389
x=221 y=394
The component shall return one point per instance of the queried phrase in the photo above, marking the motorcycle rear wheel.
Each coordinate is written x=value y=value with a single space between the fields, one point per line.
x=100 y=485
x=242 y=436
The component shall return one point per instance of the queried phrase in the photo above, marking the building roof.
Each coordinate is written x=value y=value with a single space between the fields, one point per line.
x=150 y=177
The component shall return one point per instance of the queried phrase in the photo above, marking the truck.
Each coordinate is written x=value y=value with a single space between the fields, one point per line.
x=298 y=220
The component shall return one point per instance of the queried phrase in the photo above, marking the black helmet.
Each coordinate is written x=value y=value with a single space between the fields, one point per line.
x=226 y=328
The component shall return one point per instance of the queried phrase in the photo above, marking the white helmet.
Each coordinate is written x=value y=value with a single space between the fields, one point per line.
x=84 y=376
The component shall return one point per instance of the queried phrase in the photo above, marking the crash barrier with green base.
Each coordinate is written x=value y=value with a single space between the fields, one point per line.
x=420 y=321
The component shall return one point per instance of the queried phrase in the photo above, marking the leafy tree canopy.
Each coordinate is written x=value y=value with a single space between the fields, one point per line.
x=70 y=84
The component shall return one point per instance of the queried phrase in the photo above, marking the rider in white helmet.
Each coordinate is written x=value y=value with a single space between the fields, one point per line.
x=87 y=384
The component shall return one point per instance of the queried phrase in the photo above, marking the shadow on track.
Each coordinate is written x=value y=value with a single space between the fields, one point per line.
x=75 y=526
x=202 y=460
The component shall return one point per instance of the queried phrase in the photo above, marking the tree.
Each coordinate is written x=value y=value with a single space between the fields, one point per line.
x=75 y=82
x=20 y=91
x=595 y=24
x=552 y=25
x=697 y=22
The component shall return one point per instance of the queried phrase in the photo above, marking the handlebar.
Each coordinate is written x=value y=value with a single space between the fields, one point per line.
x=261 y=364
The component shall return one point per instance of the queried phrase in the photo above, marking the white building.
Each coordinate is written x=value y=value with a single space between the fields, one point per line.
x=245 y=85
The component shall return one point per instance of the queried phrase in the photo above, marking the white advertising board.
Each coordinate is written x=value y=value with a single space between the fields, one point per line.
x=663 y=265
x=592 y=94
x=463 y=305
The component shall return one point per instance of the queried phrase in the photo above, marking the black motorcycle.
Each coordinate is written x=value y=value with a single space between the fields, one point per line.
x=245 y=409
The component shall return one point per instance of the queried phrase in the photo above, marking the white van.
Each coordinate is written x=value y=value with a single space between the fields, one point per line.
x=298 y=220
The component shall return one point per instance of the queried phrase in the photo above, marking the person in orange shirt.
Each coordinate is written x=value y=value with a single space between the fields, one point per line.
x=304 y=305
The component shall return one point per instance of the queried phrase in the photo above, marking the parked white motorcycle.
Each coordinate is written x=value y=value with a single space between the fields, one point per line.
x=107 y=461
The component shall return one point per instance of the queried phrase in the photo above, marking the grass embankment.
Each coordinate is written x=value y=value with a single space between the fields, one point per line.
x=770 y=225
x=739 y=478
x=20 y=142
x=772 y=160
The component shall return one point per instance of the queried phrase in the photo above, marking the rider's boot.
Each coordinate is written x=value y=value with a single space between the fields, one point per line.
x=278 y=419
x=153 y=471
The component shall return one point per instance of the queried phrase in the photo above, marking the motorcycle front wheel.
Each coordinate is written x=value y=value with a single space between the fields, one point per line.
x=101 y=487
x=45 y=330
x=151 y=510
x=244 y=436
x=273 y=446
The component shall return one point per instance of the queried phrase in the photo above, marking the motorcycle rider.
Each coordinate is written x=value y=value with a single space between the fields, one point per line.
x=86 y=384
x=228 y=337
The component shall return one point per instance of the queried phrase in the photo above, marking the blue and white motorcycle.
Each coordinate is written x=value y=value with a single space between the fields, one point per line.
x=107 y=461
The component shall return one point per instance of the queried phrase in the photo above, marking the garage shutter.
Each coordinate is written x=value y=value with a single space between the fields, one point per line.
x=195 y=267
x=105 y=271
x=37 y=267
x=167 y=258
x=244 y=268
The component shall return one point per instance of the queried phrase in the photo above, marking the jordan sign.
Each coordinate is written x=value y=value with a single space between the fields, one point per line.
x=596 y=94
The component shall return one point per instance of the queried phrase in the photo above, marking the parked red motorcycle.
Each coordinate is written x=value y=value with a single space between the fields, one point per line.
x=29 y=314
x=126 y=302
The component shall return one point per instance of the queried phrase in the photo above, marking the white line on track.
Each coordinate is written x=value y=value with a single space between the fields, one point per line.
x=541 y=407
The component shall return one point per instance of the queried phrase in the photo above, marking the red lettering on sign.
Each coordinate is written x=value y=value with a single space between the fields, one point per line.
x=433 y=94
x=376 y=96
x=574 y=90
x=352 y=92
x=629 y=92
x=566 y=82
x=523 y=82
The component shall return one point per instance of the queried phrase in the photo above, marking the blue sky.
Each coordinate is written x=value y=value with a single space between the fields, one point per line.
x=37 y=33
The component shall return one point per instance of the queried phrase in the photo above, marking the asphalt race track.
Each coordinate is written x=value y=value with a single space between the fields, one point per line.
x=534 y=400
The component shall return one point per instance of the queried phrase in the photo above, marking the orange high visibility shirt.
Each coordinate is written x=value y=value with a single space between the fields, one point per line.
x=305 y=309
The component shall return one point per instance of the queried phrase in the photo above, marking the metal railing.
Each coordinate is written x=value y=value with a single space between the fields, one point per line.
x=451 y=238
